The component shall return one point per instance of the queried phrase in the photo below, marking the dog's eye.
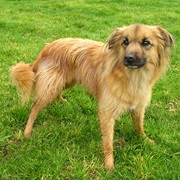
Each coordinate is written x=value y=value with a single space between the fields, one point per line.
x=125 y=42
x=145 y=42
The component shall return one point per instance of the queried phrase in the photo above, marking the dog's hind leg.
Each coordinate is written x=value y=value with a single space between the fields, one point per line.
x=38 y=105
x=36 y=108
x=67 y=86
x=47 y=88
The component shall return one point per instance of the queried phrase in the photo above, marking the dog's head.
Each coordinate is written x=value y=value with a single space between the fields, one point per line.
x=138 y=45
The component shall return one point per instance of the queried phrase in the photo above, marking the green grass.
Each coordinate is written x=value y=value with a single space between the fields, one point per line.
x=66 y=143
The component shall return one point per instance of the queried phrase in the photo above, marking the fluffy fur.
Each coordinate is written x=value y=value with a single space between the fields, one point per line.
x=120 y=73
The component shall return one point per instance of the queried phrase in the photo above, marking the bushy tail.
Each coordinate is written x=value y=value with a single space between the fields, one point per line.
x=23 y=77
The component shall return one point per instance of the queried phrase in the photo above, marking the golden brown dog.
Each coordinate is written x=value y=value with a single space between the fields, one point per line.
x=120 y=73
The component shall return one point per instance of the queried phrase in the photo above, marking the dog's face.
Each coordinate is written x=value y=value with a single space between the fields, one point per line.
x=138 y=45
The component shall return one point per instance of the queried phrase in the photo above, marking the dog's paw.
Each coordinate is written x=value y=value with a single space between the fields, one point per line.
x=62 y=99
x=109 y=162
x=109 y=165
x=144 y=136
x=27 y=134
x=150 y=141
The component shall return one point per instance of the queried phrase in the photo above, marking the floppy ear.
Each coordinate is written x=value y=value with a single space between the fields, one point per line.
x=165 y=36
x=114 y=38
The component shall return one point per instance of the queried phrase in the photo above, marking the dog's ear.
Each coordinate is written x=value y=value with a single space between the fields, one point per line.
x=114 y=38
x=165 y=36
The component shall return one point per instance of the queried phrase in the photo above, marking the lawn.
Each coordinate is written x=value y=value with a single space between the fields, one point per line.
x=66 y=143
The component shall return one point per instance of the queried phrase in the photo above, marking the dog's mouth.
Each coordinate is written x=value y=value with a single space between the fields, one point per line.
x=133 y=62
x=132 y=67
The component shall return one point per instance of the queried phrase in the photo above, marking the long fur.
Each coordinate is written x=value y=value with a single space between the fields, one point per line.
x=23 y=77
x=100 y=68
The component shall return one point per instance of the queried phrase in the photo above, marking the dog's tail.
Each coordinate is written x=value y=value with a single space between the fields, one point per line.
x=23 y=77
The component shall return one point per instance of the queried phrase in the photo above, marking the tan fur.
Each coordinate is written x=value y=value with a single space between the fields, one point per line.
x=23 y=77
x=100 y=68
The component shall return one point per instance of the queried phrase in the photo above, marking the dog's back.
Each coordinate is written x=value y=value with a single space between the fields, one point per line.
x=59 y=65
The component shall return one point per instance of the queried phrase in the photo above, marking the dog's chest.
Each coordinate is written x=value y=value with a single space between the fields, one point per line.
x=132 y=107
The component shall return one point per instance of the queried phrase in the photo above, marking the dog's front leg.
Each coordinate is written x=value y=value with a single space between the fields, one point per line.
x=107 y=130
x=138 y=120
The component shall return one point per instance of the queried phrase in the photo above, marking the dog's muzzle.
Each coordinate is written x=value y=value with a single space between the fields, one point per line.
x=133 y=62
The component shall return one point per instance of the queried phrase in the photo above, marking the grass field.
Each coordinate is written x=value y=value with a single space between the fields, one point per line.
x=66 y=143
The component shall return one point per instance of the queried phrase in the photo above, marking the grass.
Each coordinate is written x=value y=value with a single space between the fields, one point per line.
x=66 y=143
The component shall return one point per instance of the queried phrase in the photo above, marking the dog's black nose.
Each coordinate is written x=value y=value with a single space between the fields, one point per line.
x=130 y=58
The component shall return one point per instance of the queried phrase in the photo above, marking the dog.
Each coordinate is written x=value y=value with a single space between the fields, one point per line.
x=120 y=73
